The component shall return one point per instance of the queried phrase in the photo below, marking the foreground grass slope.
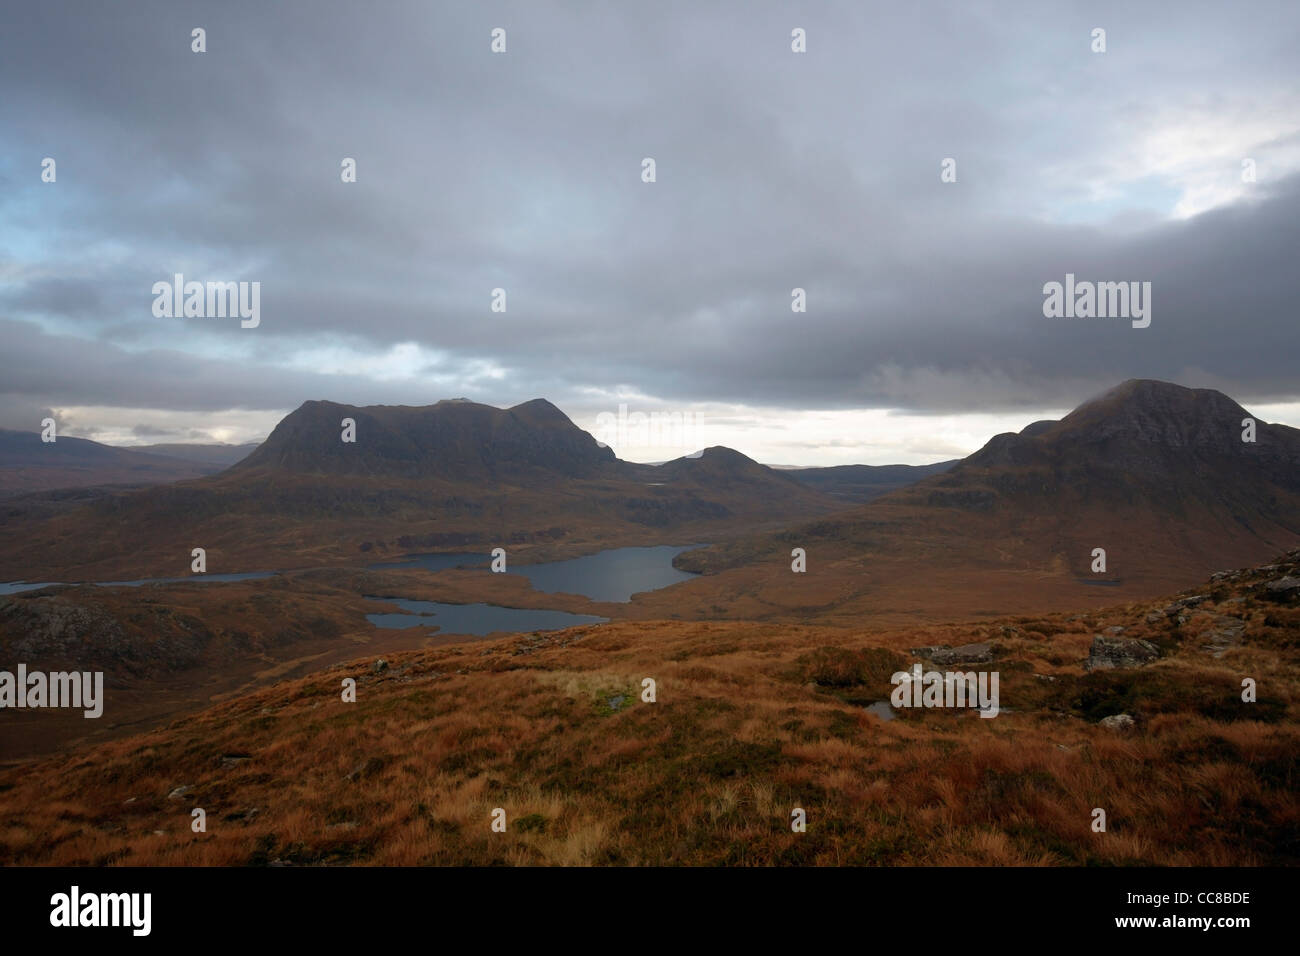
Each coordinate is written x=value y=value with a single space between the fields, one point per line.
x=751 y=721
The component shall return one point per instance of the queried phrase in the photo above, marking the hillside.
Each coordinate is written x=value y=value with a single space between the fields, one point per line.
x=858 y=484
x=445 y=476
x=1154 y=474
x=1137 y=709
x=28 y=464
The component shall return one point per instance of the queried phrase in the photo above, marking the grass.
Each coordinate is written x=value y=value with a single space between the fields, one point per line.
x=751 y=721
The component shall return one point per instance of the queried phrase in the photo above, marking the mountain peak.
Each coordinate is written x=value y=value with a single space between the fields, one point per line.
x=539 y=411
x=453 y=438
x=1155 y=412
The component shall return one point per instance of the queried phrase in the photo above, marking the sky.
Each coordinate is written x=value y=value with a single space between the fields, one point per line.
x=924 y=332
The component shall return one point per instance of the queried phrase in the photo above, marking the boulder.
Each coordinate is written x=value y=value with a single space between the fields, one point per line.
x=1109 y=652
x=1119 y=722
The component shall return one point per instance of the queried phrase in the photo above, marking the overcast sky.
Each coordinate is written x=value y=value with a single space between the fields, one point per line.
x=924 y=332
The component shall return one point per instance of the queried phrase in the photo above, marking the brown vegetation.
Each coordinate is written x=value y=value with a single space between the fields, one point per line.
x=751 y=721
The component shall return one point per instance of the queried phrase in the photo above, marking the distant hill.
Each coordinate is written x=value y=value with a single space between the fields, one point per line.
x=447 y=476
x=861 y=483
x=28 y=464
x=216 y=456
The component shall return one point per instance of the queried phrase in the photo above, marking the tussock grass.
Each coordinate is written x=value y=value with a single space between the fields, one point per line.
x=751 y=721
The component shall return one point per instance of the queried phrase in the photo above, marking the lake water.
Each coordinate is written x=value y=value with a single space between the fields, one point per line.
x=612 y=575
x=476 y=619
x=14 y=587
x=882 y=709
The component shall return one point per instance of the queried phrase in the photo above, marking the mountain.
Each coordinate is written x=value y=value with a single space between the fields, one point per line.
x=447 y=476
x=861 y=483
x=29 y=464
x=1154 y=474
x=455 y=440
x=1164 y=449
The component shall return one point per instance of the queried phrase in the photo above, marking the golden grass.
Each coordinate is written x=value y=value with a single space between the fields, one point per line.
x=740 y=735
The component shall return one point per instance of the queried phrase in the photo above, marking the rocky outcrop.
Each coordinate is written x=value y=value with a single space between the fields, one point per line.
x=1112 y=652
x=981 y=653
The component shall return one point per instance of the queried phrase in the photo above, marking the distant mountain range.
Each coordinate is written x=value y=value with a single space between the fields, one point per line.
x=29 y=464
x=217 y=456
x=526 y=436
x=451 y=475
x=861 y=483
x=1155 y=475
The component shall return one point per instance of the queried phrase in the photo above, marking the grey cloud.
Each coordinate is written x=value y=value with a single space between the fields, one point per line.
x=522 y=171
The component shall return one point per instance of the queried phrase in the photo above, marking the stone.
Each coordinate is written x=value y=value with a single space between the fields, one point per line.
x=1118 y=722
x=379 y=666
x=1183 y=603
x=1223 y=633
x=180 y=792
x=1110 y=652
x=980 y=653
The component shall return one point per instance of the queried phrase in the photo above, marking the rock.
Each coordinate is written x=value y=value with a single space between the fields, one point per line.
x=1223 y=633
x=616 y=701
x=1108 y=652
x=1183 y=603
x=180 y=792
x=233 y=760
x=1285 y=586
x=1154 y=616
x=1114 y=630
x=981 y=653
x=379 y=666
x=1118 y=722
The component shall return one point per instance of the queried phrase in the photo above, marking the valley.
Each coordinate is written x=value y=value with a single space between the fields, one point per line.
x=373 y=563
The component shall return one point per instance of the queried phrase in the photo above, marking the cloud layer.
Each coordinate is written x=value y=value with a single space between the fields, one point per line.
x=521 y=171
